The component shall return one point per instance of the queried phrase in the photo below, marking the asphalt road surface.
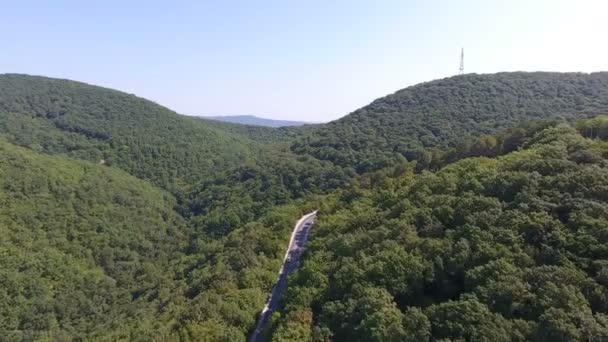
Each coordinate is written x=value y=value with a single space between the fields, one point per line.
x=298 y=240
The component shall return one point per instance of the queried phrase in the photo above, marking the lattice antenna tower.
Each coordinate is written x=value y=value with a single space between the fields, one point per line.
x=461 y=70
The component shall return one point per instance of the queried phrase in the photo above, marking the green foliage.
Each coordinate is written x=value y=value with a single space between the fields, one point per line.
x=84 y=250
x=510 y=248
x=220 y=203
x=211 y=167
x=94 y=123
x=596 y=127
x=121 y=220
x=257 y=133
x=440 y=113
x=88 y=251
x=227 y=279
x=200 y=257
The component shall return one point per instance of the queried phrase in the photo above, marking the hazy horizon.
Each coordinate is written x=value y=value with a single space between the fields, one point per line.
x=253 y=116
x=308 y=62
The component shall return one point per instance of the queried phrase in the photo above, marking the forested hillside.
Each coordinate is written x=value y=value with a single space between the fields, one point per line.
x=90 y=252
x=99 y=124
x=85 y=250
x=122 y=220
x=510 y=248
x=225 y=172
x=440 y=113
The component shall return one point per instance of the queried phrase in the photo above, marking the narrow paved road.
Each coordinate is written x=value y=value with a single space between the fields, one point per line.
x=298 y=239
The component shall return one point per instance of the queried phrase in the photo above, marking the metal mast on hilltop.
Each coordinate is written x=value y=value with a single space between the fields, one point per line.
x=461 y=62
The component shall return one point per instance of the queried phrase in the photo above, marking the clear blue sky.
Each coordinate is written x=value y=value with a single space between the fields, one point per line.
x=304 y=60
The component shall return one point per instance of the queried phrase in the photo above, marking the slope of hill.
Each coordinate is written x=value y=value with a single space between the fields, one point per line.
x=88 y=252
x=505 y=249
x=196 y=262
x=260 y=134
x=177 y=152
x=99 y=124
x=256 y=121
x=85 y=250
x=211 y=167
x=440 y=113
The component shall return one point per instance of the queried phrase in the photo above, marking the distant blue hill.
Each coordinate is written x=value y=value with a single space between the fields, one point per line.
x=254 y=120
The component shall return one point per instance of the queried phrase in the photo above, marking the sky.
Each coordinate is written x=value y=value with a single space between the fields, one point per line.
x=295 y=60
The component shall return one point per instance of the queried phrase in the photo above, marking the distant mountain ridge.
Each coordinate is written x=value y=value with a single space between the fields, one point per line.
x=257 y=121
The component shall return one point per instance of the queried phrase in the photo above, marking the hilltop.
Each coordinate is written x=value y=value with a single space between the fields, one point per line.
x=404 y=125
x=94 y=123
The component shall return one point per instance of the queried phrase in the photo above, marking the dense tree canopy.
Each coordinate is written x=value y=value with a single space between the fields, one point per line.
x=440 y=113
x=94 y=123
x=510 y=248
x=86 y=250
x=121 y=220
x=209 y=166
x=91 y=252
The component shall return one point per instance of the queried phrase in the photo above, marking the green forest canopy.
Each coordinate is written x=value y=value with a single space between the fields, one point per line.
x=497 y=249
x=122 y=220
x=440 y=113
x=90 y=252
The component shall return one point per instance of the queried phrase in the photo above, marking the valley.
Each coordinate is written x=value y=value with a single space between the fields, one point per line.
x=465 y=208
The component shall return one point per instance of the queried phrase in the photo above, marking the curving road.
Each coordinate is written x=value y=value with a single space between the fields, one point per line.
x=298 y=239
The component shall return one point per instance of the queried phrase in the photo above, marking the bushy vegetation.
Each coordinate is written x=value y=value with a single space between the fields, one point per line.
x=228 y=279
x=257 y=133
x=221 y=183
x=121 y=220
x=211 y=167
x=496 y=249
x=98 y=124
x=85 y=250
x=441 y=113
x=90 y=252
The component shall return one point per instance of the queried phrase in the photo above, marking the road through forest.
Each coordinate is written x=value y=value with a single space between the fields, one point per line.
x=298 y=240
